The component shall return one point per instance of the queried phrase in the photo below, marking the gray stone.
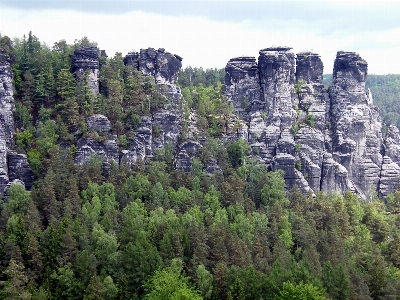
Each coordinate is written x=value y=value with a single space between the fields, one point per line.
x=7 y=107
x=19 y=169
x=107 y=150
x=243 y=85
x=212 y=167
x=185 y=154
x=389 y=177
x=163 y=66
x=98 y=123
x=86 y=63
x=322 y=140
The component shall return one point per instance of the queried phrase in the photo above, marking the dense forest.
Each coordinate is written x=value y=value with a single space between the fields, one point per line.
x=154 y=232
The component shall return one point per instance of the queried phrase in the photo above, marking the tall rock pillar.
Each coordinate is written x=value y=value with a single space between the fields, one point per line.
x=7 y=107
x=86 y=62
x=356 y=124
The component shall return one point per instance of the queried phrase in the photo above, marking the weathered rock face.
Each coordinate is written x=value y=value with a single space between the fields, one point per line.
x=163 y=66
x=13 y=167
x=98 y=123
x=243 y=85
x=356 y=125
x=86 y=63
x=7 y=105
x=185 y=155
x=390 y=171
x=18 y=169
x=322 y=140
x=6 y=118
x=99 y=142
x=154 y=132
x=329 y=141
x=277 y=75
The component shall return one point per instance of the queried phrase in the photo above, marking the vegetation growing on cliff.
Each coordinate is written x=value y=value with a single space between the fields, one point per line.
x=154 y=232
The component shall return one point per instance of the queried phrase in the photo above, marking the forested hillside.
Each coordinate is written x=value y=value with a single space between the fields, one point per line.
x=154 y=231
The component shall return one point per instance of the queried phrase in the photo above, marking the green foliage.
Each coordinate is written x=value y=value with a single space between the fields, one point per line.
x=18 y=199
x=335 y=281
x=237 y=152
x=298 y=165
x=310 y=120
x=169 y=283
x=196 y=76
x=301 y=291
x=295 y=128
x=298 y=86
x=236 y=292
x=24 y=140
x=274 y=189
x=16 y=285
x=91 y=232
x=34 y=160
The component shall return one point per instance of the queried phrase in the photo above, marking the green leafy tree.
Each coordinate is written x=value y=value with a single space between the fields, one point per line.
x=301 y=291
x=204 y=281
x=237 y=152
x=335 y=281
x=169 y=283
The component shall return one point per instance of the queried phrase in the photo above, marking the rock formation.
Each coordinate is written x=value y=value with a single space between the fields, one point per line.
x=155 y=132
x=86 y=64
x=323 y=140
x=12 y=166
x=99 y=141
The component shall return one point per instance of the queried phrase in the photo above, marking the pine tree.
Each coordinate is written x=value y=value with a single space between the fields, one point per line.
x=17 y=281
x=236 y=291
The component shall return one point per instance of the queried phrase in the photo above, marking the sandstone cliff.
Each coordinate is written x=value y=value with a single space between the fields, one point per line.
x=12 y=166
x=323 y=140
x=162 y=128
x=86 y=66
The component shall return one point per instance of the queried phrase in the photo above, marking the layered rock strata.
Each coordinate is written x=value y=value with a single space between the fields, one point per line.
x=86 y=66
x=323 y=140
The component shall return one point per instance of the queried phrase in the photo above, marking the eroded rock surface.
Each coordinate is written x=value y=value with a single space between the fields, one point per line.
x=86 y=63
x=323 y=140
x=6 y=117
x=162 y=128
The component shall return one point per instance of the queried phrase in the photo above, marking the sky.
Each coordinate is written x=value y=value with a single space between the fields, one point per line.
x=208 y=33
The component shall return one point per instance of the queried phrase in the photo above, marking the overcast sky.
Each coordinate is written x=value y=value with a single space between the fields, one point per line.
x=208 y=33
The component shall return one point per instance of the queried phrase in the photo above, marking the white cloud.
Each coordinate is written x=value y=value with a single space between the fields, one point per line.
x=200 y=41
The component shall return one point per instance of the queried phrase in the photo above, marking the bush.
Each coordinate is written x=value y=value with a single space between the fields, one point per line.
x=310 y=120
x=298 y=165
x=237 y=151
x=298 y=85
x=295 y=128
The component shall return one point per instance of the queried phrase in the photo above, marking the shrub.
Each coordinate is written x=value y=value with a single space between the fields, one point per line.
x=295 y=128
x=310 y=120
x=298 y=85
